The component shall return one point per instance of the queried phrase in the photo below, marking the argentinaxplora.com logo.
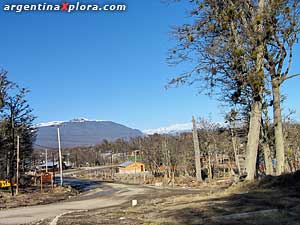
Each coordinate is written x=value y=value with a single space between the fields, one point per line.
x=63 y=6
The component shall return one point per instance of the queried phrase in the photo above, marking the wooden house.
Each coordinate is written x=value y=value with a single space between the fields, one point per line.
x=130 y=167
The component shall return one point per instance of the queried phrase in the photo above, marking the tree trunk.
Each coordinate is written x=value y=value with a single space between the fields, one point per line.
x=266 y=146
x=256 y=107
x=197 y=151
x=7 y=164
x=279 y=141
x=267 y=158
x=217 y=165
x=253 y=139
x=235 y=149
x=223 y=164
x=210 y=175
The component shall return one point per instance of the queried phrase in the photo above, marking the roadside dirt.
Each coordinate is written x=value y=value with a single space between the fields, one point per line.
x=33 y=196
x=274 y=200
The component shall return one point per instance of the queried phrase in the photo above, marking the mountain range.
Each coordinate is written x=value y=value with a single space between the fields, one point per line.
x=81 y=132
x=85 y=132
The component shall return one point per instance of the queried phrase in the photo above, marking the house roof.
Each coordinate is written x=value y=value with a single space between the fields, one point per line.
x=49 y=164
x=127 y=163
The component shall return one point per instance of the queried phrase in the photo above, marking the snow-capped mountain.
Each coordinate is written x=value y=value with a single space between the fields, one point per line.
x=177 y=128
x=171 y=129
x=56 y=123
x=48 y=124
x=81 y=132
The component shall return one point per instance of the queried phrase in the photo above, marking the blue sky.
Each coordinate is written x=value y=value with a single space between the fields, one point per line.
x=106 y=66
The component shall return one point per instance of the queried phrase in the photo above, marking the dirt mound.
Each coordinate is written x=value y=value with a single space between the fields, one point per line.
x=291 y=180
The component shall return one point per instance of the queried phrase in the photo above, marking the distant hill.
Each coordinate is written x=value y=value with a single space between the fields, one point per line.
x=81 y=132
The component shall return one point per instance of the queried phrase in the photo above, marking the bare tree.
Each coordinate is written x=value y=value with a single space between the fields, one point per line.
x=197 y=150
x=224 y=45
x=282 y=32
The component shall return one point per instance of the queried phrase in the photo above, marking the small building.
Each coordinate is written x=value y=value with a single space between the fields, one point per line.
x=49 y=165
x=130 y=167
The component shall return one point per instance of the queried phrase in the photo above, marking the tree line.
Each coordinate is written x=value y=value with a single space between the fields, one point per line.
x=16 y=122
x=242 y=52
x=222 y=148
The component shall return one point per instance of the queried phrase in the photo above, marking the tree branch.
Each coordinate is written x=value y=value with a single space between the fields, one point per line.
x=291 y=76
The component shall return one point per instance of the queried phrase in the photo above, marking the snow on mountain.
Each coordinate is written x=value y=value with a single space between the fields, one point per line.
x=47 y=124
x=175 y=128
x=56 y=123
x=82 y=119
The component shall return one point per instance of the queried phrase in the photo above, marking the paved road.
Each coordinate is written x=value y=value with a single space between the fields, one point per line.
x=102 y=195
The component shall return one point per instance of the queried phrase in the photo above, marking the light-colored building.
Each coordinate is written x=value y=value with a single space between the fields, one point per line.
x=130 y=167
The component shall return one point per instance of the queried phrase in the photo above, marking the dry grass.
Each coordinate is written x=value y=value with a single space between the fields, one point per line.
x=33 y=196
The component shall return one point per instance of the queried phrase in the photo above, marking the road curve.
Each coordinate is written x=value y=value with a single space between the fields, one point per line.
x=104 y=196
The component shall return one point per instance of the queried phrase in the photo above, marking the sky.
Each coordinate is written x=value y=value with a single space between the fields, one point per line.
x=106 y=65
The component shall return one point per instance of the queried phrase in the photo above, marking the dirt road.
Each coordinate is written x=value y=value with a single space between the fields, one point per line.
x=99 y=197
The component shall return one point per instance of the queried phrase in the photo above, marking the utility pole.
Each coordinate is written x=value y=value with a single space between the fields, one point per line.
x=111 y=165
x=60 y=157
x=165 y=163
x=76 y=158
x=53 y=169
x=18 y=161
x=134 y=180
x=197 y=150
x=46 y=152
x=10 y=155
x=135 y=162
